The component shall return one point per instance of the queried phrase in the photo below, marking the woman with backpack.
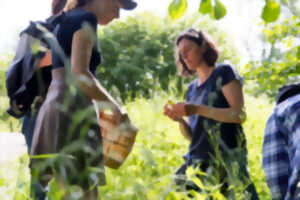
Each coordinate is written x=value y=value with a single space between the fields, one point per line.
x=67 y=123
x=214 y=107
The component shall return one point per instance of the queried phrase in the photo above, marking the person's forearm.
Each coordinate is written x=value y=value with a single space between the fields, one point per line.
x=185 y=129
x=227 y=115
x=93 y=89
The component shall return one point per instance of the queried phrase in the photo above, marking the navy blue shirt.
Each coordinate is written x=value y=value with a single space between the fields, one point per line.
x=73 y=21
x=210 y=93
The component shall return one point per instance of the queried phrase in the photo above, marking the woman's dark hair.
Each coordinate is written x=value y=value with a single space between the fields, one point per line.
x=57 y=6
x=210 y=56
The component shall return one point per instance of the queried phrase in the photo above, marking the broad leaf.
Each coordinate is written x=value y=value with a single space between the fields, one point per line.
x=284 y=2
x=219 y=10
x=205 y=6
x=177 y=8
x=271 y=11
x=298 y=53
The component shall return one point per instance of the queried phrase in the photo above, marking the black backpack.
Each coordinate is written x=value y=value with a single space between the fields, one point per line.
x=24 y=81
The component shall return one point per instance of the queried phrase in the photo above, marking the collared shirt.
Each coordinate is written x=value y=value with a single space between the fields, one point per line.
x=281 y=149
x=210 y=93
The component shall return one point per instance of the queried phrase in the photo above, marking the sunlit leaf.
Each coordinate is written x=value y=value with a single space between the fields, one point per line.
x=298 y=53
x=284 y=2
x=55 y=192
x=271 y=11
x=205 y=6
x=44 y=156
x=177 y=9
x=219 y=10
x=219 y=196
x=190 y=172
x=2 y=182
x=198 y=182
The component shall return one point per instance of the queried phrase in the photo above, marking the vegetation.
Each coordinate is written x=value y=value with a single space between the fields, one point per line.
x=217 y=10
x=149 y=170
x=138 y=53
x=280 y=63
x=139 y=68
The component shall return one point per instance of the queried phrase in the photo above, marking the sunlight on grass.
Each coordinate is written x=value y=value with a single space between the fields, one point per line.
x=14 y=171
x=148 y=171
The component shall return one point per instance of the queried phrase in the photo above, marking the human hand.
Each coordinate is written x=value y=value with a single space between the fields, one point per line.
x=168 y=111
x=178 y=109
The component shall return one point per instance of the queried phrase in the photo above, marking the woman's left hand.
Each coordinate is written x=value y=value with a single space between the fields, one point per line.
x=178 y=109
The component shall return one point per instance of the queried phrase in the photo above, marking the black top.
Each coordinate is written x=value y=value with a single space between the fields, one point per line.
x=73 y=21
x=210 y=93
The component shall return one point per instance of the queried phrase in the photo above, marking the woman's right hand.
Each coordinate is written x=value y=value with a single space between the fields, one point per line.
x=169 y=113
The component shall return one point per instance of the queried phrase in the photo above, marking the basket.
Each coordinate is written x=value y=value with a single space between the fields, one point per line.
x=117 y=139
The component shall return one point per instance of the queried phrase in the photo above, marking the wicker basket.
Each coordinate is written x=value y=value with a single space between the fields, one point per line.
x=118 y=139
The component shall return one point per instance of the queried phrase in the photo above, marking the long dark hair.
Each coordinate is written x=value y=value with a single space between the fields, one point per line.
x=210 y=56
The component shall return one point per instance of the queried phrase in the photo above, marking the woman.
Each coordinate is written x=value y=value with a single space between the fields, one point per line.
x=214 y=104
x=67 y=122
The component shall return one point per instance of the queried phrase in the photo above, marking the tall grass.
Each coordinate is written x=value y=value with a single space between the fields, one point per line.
x=149 y=170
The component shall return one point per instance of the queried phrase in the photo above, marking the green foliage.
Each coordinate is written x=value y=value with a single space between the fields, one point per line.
x=148 y=172
x=177 y=8
x=55 y=192
x=281 y=65
x=205 y=7
x=215 y=8
x=14 y=179
x=4 y=64
x=271 y=11
x=139 y=53
x=219 y=10
x=7 y=122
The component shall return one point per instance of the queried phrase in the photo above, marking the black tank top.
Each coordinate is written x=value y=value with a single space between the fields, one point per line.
x=64 y=31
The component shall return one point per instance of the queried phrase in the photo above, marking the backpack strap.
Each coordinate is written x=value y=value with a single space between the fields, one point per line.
x=46 y=61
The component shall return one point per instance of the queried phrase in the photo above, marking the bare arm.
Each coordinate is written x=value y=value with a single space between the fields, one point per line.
x=234 y=114
x=185 y=129
x=82 y=45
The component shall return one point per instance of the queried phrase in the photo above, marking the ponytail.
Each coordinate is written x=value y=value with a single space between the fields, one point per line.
x=57 y=6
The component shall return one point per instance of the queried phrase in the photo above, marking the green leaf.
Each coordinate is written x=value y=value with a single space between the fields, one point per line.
x=205 y=6
x=298 y=53
x=284 y=2
x=219 y=10
x=55 y=191
x=177 y=9
x=271 y=11
x=44 y=156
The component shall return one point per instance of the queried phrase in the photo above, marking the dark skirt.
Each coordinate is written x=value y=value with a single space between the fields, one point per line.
x=67 y=127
